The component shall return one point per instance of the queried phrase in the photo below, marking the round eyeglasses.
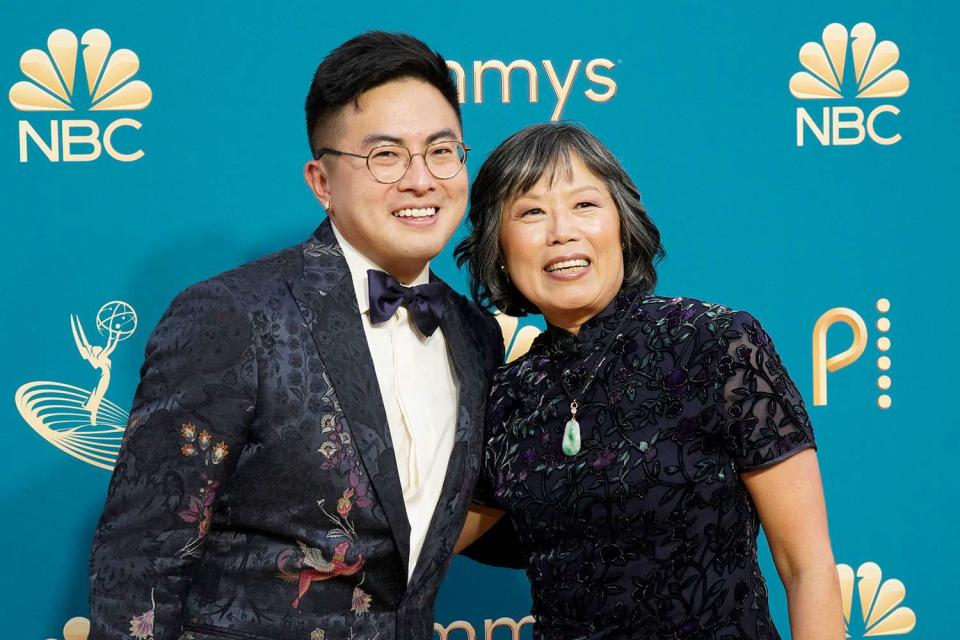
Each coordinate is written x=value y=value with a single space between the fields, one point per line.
x=389 y=163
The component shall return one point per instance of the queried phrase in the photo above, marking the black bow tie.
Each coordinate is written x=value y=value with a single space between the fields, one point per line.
x=424 y=301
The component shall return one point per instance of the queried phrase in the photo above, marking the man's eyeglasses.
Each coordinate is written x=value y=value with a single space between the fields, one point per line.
x=388 y=163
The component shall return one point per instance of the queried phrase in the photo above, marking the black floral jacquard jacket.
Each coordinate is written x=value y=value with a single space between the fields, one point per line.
x=256 y=494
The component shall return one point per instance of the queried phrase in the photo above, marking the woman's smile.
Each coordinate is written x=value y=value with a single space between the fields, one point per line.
x=561 y=240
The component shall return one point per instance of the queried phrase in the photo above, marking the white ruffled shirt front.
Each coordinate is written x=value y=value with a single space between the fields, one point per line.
x=418 y=384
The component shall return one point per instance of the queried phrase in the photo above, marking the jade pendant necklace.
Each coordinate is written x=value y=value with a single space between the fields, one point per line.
x=571 y=432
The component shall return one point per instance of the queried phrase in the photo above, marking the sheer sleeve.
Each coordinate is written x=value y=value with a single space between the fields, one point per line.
x=500 y=546
x=484 y=491
x=763 y=415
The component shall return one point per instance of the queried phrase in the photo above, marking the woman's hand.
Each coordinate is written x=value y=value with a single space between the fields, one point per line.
x=789 y=500
x=479 y=521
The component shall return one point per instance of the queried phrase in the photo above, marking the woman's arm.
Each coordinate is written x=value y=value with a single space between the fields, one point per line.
x=479 y=520
x=789 y=500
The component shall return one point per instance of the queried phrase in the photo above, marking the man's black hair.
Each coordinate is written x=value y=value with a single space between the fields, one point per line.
x=365 y=62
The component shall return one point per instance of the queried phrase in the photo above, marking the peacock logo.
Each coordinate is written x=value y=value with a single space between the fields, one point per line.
x=881 y=613
x=53 y=86
x=53 y=75
x=872 y=65
x=874 y=76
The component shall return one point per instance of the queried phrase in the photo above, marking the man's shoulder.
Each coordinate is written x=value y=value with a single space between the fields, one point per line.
x=249 y=281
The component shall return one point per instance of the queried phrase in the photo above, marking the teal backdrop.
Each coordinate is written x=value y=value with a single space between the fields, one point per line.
x=695 y=100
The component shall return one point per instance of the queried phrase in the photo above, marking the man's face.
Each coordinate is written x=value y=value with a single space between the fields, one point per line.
x=399 y=226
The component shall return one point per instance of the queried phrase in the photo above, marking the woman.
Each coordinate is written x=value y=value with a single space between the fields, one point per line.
x=641 y=441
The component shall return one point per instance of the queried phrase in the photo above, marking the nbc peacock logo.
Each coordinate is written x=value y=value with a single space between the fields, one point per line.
x=53 y=86
x=880 y=610
x=873 y=77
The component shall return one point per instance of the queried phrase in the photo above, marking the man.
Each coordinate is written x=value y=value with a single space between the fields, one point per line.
x=305 y=437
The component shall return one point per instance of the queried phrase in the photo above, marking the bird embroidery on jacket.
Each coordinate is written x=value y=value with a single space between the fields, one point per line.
x=314 y=567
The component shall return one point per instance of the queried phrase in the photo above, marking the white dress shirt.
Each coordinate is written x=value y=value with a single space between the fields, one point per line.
x=418 y=385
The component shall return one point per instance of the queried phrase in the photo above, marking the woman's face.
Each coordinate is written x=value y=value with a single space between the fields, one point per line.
x=561 y=246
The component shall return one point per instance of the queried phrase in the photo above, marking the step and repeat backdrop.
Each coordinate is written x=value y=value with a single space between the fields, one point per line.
x=799 y=159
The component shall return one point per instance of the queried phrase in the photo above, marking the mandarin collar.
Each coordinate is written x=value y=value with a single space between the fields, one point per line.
x=594 y=332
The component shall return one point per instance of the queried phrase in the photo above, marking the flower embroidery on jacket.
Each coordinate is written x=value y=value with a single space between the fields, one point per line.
x=195 y=445
x=201 y=512
x=337 y=446
x=141 y=626
x=361 y=600
x=328 y=449
x=339 y=453
x=220 y=452
x=343 y=504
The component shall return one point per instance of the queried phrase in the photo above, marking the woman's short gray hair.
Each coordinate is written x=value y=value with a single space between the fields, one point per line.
x=512 y=169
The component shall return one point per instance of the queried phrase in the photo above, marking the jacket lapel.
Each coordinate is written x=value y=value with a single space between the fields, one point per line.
x=464 y=461
x=327 y=300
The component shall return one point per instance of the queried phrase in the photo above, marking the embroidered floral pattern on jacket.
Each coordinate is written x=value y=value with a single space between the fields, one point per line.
x=141 y=626
x=338 y=452
x=201 y=512
x=199 y=445
x=237 y=430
